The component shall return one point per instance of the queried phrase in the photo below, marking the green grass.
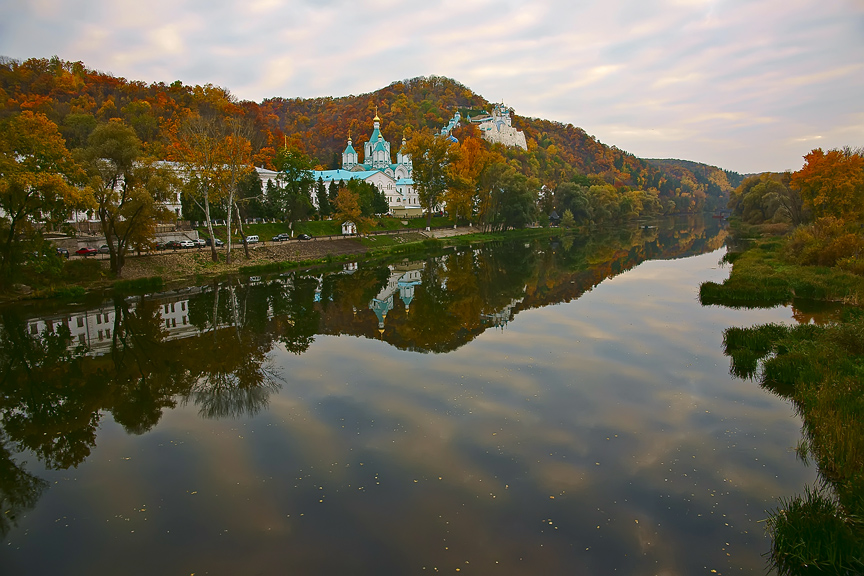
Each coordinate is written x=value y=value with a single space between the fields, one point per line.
x=139 y=285
x=273 y=267
x=324 y=227
x=821 y=369
x=762 y=278
x=811 y=535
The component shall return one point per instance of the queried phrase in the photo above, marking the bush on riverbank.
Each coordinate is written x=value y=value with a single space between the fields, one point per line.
x=763 y=276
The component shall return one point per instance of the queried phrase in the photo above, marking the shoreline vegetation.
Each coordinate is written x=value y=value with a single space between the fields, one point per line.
x=153 y=271
x=820 y=369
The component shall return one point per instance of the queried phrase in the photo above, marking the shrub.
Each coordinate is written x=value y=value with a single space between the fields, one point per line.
x=826 y=242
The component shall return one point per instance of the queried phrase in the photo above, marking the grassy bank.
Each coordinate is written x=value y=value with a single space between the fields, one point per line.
x=763 y=277
x=821 y=370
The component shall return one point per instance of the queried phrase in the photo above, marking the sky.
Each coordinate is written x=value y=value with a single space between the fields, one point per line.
x=746 y=85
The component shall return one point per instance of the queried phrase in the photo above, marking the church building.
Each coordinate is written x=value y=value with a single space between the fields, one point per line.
x=378 y=169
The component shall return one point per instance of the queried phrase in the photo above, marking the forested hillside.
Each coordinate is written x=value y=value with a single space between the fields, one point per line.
x=77 y=99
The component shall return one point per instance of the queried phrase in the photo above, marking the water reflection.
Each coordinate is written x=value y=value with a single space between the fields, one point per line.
x=398 y=458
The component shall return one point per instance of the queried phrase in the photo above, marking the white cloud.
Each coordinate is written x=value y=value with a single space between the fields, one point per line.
x=735 y=83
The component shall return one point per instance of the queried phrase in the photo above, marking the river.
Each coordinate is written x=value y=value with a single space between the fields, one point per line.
x=545 y=406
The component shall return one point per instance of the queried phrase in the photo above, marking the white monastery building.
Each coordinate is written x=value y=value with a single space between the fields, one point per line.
x=498 y=127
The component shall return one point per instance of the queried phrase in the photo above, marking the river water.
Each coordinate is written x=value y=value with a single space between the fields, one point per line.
x=550 y=406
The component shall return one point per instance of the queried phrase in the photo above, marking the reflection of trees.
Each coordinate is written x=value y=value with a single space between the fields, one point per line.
x=147 y=371
x=52 y=395
x=458 y=290
x=228 y=366
x=302 y=319
x=48 y=405
x=19 y=490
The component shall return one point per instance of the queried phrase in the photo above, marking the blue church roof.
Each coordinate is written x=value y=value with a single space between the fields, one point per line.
x=328 y=175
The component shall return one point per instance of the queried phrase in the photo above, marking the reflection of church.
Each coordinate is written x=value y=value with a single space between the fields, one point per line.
x=403 y=278
x=377 y=168
x=502 y=317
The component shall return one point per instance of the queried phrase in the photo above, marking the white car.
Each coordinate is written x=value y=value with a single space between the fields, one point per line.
x=187 y=244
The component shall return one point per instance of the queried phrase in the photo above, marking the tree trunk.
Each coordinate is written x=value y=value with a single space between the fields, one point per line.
x=213 y=253
x=242 y=233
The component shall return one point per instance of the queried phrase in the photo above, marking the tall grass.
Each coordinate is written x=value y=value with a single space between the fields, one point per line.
x=821 y=370
x=812 y=535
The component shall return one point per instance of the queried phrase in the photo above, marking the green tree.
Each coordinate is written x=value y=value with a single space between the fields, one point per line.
x=290 y=199
x=518 y=200
x=567 y=220
x=324 y=208
x=129 y=191
x=574 y=197
x=430 y=156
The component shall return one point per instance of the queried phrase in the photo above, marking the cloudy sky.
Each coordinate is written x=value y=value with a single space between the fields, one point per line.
x=747 y=85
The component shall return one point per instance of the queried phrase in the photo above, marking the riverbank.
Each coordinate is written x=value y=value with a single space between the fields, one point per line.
x=176 y=267
x=820 y=369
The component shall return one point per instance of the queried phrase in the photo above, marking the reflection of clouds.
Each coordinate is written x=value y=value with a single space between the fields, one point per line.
x=643 y=367
x=613 y=417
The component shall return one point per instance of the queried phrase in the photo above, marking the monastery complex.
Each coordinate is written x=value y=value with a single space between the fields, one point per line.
x=395 y=179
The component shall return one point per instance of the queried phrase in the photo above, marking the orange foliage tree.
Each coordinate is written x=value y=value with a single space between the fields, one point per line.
x=35 y=169
x=832 y=183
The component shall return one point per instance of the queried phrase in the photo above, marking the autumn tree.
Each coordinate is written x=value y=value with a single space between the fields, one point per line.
x=347 y=207
x=237 y=158
x=465 y=169
x=832 y=183
x=431 y=155
x=35 y=169
x=130 y=191
x=215 y=153
x=197 y=147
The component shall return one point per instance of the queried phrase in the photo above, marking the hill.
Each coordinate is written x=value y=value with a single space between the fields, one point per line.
x=77 y=98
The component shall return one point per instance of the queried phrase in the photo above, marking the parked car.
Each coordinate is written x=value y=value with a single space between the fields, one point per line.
x=208 y=242
x=159 y=245
x=187 y=244
x=103 y=249
x=253 y=239
x=199 y=242
x=63 y=252
x=86 y=251
x=303 y=237
x=172 y=245
x=281 y=237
